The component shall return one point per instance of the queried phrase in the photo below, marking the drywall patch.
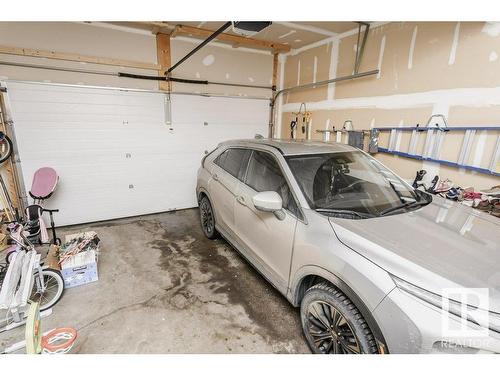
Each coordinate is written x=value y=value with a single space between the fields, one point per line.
x=380 y=57
x=454 y=45
x=298 y=73
x=228 y=76
x=493 y=56
x=315 y=68
x=491 y=28
x=198 y=75
x=250 y=79
x=412 y=47
x=208 y=60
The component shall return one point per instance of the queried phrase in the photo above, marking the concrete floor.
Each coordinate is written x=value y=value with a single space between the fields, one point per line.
x=164 y=288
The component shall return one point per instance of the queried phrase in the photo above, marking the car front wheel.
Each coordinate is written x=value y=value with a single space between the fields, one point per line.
x=207 y=218
x=332 y=324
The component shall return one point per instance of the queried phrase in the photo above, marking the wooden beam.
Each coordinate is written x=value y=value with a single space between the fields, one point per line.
x=232 y=39
x=76 y=57
x=275 y=70
x=163 y=58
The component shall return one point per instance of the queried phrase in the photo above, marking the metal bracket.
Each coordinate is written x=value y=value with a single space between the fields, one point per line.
x=361 y=48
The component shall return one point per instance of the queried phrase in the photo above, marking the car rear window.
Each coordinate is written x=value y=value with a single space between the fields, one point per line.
x=234 y=161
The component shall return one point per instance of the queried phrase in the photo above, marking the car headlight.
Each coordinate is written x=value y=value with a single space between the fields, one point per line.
x=485 y=319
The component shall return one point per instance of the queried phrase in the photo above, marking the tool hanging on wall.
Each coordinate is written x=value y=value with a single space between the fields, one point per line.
x=305 y=122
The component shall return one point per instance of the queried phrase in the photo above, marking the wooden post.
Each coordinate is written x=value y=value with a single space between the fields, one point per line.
x=7 y=168
x=163 y=58
x=272 y=105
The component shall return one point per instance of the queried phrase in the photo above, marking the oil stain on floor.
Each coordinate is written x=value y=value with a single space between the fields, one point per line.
x=165 y=288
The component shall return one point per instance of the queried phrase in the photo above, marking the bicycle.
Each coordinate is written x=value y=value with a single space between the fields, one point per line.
x=26 y=279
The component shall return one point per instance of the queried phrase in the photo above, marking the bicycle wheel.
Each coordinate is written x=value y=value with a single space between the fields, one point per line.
x=5 y=147
x=54 y=288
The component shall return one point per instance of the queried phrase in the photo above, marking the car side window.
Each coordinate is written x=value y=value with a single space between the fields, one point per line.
x=264 y=174
x=234 y=161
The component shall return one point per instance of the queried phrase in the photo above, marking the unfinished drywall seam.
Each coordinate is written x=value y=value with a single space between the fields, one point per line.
x=454 y=45
x=125 y=29
x=291 y=32
x=441 y=99
x=315 y=68
x=380 y=57
x=281 y=85
x=298 y=72
x=478 y=153
x=332 y=73
x=338 y=37
x=412 y=47
x=311 y=29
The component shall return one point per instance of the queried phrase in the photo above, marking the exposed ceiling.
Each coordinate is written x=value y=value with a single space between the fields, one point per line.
x=294 y=34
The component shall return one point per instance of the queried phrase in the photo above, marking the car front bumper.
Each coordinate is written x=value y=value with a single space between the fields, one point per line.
x=410 y=325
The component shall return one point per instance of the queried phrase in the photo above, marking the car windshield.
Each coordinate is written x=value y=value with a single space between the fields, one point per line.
x=352 y=185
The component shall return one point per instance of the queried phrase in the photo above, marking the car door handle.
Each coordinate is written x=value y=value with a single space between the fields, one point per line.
x=215 y=177
x=241 y=200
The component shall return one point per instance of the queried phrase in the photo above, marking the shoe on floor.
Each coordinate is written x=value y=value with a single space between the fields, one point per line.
x=496 y=209
x=452 y=194
x=494 y=191
x=443 y=186
x=485 y=206
x=470 y=196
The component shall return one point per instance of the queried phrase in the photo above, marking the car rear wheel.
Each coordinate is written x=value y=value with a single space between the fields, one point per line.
x=332 y=324
x=207 y=218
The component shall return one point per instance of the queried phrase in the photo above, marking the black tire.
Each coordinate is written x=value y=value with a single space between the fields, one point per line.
x=5 y=148
x=54 y=278
x=332 y=324
x=207 y=218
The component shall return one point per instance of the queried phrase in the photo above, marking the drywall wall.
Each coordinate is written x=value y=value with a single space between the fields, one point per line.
x=425 y=68
x=213 y=63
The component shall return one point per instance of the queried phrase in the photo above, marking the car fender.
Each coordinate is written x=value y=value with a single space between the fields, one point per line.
x=336 y=281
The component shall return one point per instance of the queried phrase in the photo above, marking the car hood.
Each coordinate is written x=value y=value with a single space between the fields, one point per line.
x=442 y=245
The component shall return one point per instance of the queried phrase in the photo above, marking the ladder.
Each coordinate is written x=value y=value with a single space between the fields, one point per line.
x=435 y=137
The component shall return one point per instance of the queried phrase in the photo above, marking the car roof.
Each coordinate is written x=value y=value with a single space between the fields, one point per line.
x=292 y=147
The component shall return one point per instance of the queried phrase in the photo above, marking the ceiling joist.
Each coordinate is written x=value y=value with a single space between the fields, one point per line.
x=7 y=50
x=235 y=40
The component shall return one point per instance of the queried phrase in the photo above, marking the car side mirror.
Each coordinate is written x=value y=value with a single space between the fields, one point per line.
x=267 y=201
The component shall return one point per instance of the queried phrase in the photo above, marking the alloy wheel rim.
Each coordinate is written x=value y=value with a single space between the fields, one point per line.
x=330 y=331
x=207 y=217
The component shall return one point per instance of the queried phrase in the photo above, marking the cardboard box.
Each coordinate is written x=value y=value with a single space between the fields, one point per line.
x=52 y=259
x=80 y=269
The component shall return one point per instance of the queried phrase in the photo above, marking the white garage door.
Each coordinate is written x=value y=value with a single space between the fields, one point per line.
x=112 y=150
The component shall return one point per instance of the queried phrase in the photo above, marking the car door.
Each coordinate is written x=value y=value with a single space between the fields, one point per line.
x=267 y=238
x=227 y=172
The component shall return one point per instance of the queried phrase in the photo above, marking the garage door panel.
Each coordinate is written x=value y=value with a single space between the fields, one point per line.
x=58 y=94
x=216 y=110
x=112 y=150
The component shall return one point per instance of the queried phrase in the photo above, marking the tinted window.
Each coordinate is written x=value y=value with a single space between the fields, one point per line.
x=233 y=161
x=264 y=174
x=349 y=181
